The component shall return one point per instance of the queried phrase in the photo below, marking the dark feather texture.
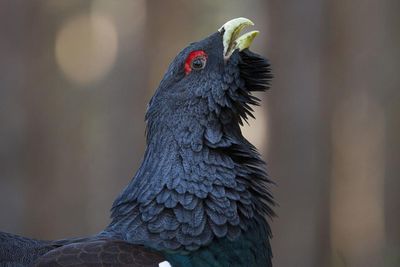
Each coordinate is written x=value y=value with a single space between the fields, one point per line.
x=106 y=252
x=20 y=251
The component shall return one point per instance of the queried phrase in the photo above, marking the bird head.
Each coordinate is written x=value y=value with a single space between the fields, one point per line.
x=214 y=76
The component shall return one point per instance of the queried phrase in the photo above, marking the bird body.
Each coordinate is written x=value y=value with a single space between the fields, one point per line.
x=201 y=195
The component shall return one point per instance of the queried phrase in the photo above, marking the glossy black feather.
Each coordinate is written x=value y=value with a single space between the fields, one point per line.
x=20 y=251
x=103 y=252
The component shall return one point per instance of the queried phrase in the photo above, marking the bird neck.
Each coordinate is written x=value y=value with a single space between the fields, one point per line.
x=200 y=183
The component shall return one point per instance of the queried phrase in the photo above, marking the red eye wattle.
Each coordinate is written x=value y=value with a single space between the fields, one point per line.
x=195 y=60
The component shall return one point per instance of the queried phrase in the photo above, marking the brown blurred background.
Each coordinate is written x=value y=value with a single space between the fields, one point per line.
x=75 y=78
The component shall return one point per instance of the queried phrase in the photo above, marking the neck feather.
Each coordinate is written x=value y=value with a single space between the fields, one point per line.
x=196 y=183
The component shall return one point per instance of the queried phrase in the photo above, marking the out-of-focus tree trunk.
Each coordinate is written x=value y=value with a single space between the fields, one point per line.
x=299 y=148
x=390 y=84
x=54 y=182
x=12 y=118
x=360 y=80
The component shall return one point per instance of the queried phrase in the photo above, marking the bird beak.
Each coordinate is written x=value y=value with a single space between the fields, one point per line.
x=231 y=39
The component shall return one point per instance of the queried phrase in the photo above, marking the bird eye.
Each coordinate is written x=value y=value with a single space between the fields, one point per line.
x=198 y=63
x=196 y=60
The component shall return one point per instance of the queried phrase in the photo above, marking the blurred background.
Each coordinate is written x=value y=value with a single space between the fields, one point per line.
x=76 y=76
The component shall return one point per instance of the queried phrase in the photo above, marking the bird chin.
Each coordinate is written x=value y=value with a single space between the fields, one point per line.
x=231 y=39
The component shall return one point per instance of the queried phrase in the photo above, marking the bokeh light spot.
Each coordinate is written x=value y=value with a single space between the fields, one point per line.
x=86 y=47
